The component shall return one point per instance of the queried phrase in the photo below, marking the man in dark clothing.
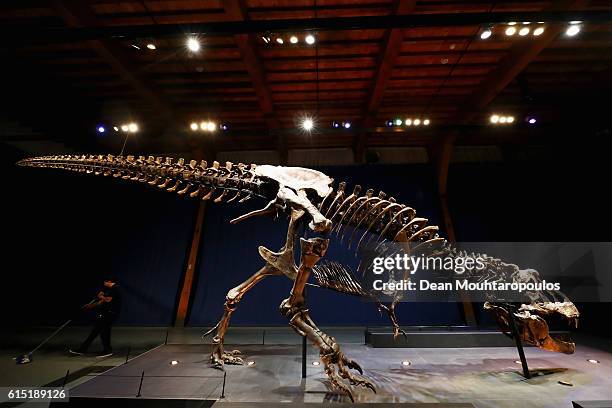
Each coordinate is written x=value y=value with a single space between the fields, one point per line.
x=107 y=309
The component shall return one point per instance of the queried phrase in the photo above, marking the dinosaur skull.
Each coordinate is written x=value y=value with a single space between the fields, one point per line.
x=300 y=188
x=532 y=322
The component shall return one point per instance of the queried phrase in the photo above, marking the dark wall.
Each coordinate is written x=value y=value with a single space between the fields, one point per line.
x=63 y=232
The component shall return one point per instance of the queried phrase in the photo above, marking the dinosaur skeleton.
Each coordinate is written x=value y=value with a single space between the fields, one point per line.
x=307 y=198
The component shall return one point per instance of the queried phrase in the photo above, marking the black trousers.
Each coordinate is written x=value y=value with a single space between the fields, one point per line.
x=101 y=327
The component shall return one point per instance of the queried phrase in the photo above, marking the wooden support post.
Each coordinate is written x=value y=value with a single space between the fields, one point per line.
x=188 y=279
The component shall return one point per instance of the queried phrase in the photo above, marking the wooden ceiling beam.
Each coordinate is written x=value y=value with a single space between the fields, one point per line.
x=77 y=14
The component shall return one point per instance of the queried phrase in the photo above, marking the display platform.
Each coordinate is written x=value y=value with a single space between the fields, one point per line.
x=478 y=377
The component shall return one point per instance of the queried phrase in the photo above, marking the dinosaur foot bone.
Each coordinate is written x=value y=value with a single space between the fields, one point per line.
x=220 y=357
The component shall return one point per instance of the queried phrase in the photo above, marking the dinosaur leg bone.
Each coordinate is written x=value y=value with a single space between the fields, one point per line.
x=219 y=356
x=294 y=309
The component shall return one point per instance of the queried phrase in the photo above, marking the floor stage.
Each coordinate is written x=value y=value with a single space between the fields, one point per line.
x=484 y=377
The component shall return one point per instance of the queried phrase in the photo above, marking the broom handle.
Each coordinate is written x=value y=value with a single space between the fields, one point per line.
x=52 y=334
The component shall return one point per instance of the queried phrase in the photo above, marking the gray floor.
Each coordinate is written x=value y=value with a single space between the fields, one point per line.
x=486 y=377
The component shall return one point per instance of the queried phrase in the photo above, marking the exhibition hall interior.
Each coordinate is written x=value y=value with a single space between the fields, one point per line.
x=269 y=203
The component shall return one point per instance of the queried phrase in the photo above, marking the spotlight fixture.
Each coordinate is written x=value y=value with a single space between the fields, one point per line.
x=398 y=122
x=125 y=128
x=310 y=39
x=426 y=122
x=133 y=127
x=224 y=126
x=494 y=118
x=316 y=363
x=250 y=363
x=593 y=361
x=151 y=46
x=135 y=46
x=408 y=122
x=512 y=23
x=307 y=124
x=115 y=128
x=193 y=44
x=389 y=123
x=346 y=125
x=500 y=119
x=203 y=125
x=416 y=122
x=532 y=121
x=194 y=126
x=572 y=30
x=538 y=31
x=486 y=33
x=280 y=40
x=211 y=126
x=510 y=119
x=510 y=31
x=524 y=31
x=335 y=124
x=293 y=39
x=174 y=362
x=406 y=363
x=101 y=129
x=266 y=39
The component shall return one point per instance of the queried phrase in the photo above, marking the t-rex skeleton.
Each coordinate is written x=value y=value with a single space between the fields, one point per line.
x=307 y=197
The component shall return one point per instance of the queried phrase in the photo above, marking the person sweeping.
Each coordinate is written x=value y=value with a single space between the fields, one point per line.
x=107 y=308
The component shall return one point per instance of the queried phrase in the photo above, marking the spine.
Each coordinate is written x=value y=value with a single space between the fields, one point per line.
x=197 y=180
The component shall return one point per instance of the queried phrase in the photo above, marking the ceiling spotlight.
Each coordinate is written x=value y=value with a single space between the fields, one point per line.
x=532 y=121
x=132 y=127
x=406 y=363
x=512 y=23
x=224 y=126
x=347 y=125
x=575 y=22
x=572 y=30
x=310 y=39
x=408 y=122
x=335 y=124
x=389 y=123
x=115 y=128
x=538 y=31
x=135 y=46
x=174 y=362
x=194 y=126
x=250 y=363
x=193 y=44
x=510 y=31
x=510 y=119
x=307 y=124
x=151 y=46
x=502 y=119
x=486 y=33
x=280 y=40
x=203 y=125
x=494 y=118
x=524 y=31
x=316 y=363
x=417 y=122
x=398 y=122
x=125 y=128
x=293 y=39
x=101 y=129
x=211 y=126
x=426 y=122
x=266 y=39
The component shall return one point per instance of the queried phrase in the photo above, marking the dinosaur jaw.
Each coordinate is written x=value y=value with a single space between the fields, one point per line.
x=532 y=323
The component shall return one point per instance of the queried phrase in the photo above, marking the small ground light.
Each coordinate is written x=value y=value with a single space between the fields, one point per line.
x=316 y=363
x=426 y=122
x=347 y=125
x=193 y=44
x=307 y=124
x=406 y=363
x=101 y=129
x=194 y=126
x=538 y=31
x=486 y=33
x=293 y=39
x=524 y=31
x=510 y=31
x=593 y=361
x=151 y=46
x=310 y=39
x=174 y=362
x=250 y=363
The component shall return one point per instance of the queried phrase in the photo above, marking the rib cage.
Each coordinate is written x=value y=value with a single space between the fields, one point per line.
x=197 y=180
